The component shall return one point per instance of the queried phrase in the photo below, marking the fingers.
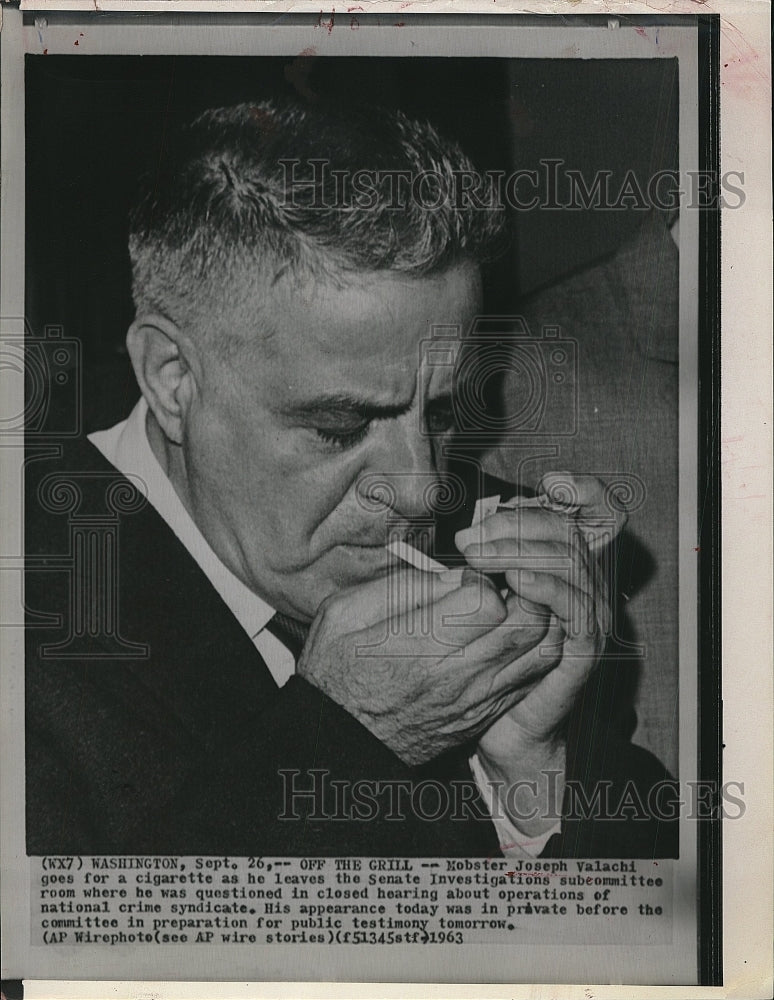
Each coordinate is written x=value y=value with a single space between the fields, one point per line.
x=440 y=627
x=542 y=542
x=564 y=503
x=599 y=518
x=529 y=524
x=400 y=590
x=507 y=680
x=525 y=626
x=507 y=663
x=573 y=608
x=567 y=562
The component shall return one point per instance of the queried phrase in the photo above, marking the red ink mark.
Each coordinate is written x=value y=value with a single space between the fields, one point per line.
x=75 y=42
x=543 y=873
x=697 y=548
x=45 y=52
x=641 y=32
x=747 y=70
x=326 y=24
x=400 y=24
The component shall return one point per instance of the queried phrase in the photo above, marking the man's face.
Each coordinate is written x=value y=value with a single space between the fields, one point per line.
x=331 y=389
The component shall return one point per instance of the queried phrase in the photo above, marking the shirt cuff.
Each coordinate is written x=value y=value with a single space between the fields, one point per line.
x=513 y=843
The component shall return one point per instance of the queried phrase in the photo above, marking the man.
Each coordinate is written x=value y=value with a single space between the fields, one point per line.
x=278 y=682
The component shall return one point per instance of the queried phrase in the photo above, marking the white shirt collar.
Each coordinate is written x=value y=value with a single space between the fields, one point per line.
x=126 y=446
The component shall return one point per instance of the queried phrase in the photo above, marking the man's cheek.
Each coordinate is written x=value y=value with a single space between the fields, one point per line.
x=287 y=528
x=319 y=494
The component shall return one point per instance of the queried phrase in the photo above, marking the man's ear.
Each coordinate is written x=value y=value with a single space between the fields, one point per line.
x=161 y=355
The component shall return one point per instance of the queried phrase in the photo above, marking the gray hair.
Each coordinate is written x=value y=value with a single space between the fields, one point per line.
x=264 y=186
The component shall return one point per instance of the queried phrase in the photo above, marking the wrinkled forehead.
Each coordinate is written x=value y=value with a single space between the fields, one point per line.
x=373 y=330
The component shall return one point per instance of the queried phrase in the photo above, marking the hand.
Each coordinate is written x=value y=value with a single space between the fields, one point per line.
x=426 y=662
x=546 y=560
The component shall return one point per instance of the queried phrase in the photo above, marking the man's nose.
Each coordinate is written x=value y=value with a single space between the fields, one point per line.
x=403 y=476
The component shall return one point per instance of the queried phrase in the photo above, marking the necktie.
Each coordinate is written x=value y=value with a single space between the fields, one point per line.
x=289 y=631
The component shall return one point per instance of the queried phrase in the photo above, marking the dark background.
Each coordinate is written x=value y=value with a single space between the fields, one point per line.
x=93 y=124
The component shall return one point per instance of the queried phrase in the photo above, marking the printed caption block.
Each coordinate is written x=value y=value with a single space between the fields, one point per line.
x=131 y=901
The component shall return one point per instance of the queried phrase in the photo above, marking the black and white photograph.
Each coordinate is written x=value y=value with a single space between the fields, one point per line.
x=367 y=555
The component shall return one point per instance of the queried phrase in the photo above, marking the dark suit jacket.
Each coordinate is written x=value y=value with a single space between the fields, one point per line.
x=154 y=726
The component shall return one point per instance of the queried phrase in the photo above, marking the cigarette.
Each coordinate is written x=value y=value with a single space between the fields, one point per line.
x=415 y=558
x=419 y=560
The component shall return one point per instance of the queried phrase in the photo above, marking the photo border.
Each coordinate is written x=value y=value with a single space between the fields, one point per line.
x=709 y=538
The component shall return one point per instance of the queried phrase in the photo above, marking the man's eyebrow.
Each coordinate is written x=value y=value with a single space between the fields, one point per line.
x=344 y=405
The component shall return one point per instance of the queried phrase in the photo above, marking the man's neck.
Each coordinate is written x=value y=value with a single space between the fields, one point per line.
x=171 y=458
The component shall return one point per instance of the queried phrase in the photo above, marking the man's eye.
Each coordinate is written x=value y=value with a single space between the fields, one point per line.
x=342 y=440
x=439 y=416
